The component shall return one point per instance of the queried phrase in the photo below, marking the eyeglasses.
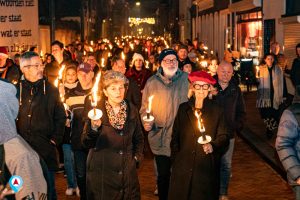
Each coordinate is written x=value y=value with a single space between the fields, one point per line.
x=198 y=86
x=168 y=61
x=42 y=66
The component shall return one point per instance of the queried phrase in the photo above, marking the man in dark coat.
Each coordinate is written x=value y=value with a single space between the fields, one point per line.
x=230 y=98
x=52 y=69
x=41 y=117
x=182 y=56
x=8 y=71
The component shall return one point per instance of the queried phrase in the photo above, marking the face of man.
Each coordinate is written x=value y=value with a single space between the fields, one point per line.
x=33 y=69
x=85 y=78
x=92 y=61
x=169 y=65
x=182 y=54
x=225 y=72
x=275 y=49
x=119 y=66
x=57 y=52
x=2 y=63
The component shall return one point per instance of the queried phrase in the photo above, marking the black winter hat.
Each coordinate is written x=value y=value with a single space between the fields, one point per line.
x=166 y=52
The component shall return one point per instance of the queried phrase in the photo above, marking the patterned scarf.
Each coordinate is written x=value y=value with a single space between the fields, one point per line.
x=117 y=120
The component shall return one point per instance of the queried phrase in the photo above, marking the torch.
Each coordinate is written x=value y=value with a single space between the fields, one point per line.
x=257 y=71
x=149 y=117
x=203 y=139
x=147 y=64
x=58 y=83
x=102 y=62
x=123 y=56
x=95 y=113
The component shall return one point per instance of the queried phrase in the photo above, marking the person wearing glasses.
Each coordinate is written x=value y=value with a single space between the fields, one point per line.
x=170 y=88
x=41 y=119
x=195 y=166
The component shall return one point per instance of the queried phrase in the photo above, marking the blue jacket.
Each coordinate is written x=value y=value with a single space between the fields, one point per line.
x=288 y=140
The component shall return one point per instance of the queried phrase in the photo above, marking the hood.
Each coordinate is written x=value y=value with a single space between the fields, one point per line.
x=9 y=108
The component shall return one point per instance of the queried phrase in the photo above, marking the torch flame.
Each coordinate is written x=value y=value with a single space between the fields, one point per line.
x=131 y=46
x=200 y=122
x=150 y=103
x=147 y=64
x=95 y=90
x=59 y=78
x=123 y=55
x=102 y=62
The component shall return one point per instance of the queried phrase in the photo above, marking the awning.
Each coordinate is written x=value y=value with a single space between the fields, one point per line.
x=203 y=4
x=244 y=5
x=289 y=20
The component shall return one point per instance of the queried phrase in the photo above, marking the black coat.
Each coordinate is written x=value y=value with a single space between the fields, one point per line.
x=133 y=94
x=232 y=101
x=41 y=118
x=195 y=175
x=111 y=166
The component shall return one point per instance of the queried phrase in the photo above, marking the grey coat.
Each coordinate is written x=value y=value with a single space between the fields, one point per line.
x=168 y=95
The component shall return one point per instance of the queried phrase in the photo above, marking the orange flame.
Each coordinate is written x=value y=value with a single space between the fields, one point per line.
x=102 y=62
x=123 y=55
x=149 y=104
x=95 y=90
x=200 y=122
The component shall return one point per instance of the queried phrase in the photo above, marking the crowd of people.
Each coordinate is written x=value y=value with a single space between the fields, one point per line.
x=193 y=96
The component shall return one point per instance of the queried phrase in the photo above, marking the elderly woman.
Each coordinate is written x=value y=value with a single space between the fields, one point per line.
x=195 y=166
x=116 y=144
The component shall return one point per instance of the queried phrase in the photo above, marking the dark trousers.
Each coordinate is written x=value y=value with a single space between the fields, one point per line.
x=163 y=164
x=80 y=158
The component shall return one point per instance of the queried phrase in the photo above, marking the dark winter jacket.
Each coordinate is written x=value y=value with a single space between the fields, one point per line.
x=41 y=118
x=233 y=104
x=12 y=74
x=140 y=77
x=195 y=175
x=112 y=159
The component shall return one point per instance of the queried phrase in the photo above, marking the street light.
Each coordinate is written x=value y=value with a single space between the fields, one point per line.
x=137 y=3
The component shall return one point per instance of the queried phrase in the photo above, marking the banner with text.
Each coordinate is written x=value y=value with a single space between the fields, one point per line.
x=19 y=22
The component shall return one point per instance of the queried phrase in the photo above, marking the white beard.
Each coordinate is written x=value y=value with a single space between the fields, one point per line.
x=169 y=73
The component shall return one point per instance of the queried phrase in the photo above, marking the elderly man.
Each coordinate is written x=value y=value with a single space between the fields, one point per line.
x=170 y=88
x=41 y=118
x=231 y=99
x=10 y=73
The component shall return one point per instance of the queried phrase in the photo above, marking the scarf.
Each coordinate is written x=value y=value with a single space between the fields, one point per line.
x=264 y=88
x=117 y=120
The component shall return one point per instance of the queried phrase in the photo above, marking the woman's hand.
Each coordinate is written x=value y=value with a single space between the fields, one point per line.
x=95 y=124
x=207 y=148
x=148 y=125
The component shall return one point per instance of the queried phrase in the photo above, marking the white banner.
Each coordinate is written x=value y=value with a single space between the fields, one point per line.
x=19 y=24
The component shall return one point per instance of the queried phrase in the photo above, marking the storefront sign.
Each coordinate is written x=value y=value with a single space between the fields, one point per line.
x=18 y=24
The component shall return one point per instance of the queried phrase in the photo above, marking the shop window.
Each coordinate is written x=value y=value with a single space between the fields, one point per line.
x=292 y=7
x=250 y=38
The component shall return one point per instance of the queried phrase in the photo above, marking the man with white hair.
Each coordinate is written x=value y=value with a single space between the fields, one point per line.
x=170 y=88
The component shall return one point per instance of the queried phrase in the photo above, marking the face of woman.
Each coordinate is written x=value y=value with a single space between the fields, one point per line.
x=138 y=63
x=71 y=76
x=115 y=93
x=213 y=66
x=269 y=60
x=200 y=89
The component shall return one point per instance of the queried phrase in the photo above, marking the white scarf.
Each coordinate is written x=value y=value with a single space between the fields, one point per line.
x=264 y=88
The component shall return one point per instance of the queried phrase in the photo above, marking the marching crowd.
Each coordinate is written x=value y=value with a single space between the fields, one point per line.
x=45 y=101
